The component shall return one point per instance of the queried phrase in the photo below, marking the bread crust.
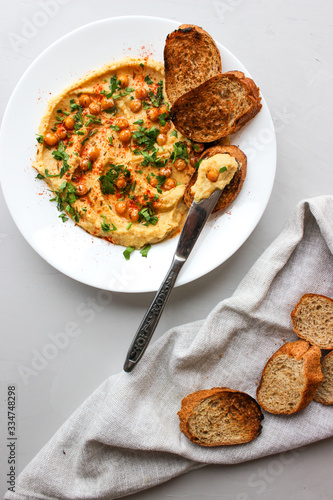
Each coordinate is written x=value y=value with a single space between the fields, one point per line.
x=190 y=58
x=192 y=400
x=300 y=349
x=220 y=106
x=231 y=191
x=327 y=383
x=294 y=316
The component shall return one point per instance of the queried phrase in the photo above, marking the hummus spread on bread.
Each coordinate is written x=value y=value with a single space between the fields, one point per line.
x=215 y=172
x=112 y=158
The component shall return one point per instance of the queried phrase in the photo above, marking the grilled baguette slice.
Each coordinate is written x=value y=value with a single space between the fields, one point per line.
x=220 y=416
x=218 y=107
x=324 y=394
x=190 y=58
x=290 y=378
x=231 y=191
x=312 y=320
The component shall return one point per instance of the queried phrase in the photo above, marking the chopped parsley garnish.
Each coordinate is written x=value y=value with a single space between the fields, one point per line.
x=128 y=226
x=163 y=119
x=65 y=198
x=127 y=252
x=146 y=137
x=39 y=138
x=161 y=180
x=174 y=133
x=198 y=163
x=110 y=139
x=179 y=151
x=147 y=216
x=63 y=217
x=108 y=180
x=60 y=154
x=148 y=80
x=144 y=251
x=123 y=93
x=92 y=119
x=106 y=226
x=91 y=133
x=138 y=122
x=152 y=159
x=223 y=169
x=114 y=85
x=157 y=99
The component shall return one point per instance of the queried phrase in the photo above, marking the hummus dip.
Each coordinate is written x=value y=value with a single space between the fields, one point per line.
x=112 y=158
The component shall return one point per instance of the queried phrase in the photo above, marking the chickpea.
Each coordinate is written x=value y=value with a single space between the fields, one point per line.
x=69 y=123
x=180 y=164
x=164 y=129
x=107 y=103
x=125 y=135
x=95 y=108
x=50 y=139
x=121 y=207
x=85 y=164
x=81 y=189
x=141 y=93
x=169 y=184
x=122 y=123
x=153 y=114
x=166 y=171
x=135 y=105
x=121 y=182
x=163 y=109
x=61 y=134
x=212 y=174
x=153 y=181
x=93 y=153
x=124 y=81
x=198 y=147
x=161 y=139
x=84 y=100
x=133 y=214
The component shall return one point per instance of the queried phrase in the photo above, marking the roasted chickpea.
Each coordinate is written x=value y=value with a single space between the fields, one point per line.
x=85 y=164
x=81 y=189
x=121 y=207
x=212 y=174
x=124 y=81
x=180 y=164
x=95 y=108
x=61 y=134
x=135 y=105
x=69 y=123
x=169 y=184
x=122 y=123
x=153 y=114
x=164 y=129
x=198 y=147
x=166 y=171
x=161 y=139
x=125 y=135
x=50 y=139
x=93 y=153
x=84 y=100
x=141 y=93
x=107 y=103
x=163 y=109
x=121 y=182
x=133 y=214
x=153 y=181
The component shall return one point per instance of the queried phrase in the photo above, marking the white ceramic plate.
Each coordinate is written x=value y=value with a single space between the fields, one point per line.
x=67 y=247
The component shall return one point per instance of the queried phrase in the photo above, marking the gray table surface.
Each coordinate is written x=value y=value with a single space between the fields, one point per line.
x=287 y=47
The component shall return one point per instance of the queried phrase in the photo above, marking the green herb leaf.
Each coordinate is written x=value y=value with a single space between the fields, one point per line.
x=129 y=225
x=39 y=138
x=223 y=169
x=127 y=252
x=144 y=251
x=148 y=80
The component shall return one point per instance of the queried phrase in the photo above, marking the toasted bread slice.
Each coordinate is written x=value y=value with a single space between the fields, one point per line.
x=190 y=58
x=218 y=107
x=312 y=320
x=220 y=416
x=290 y=378
x=231 y=191
x=324 y=394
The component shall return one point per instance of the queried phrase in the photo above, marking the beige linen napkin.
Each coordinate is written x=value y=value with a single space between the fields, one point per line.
x=126 y=437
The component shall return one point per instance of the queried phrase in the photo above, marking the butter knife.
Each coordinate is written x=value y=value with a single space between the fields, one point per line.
x=195 y=221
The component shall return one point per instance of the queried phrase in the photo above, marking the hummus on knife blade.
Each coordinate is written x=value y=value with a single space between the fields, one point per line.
x=113 y=159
